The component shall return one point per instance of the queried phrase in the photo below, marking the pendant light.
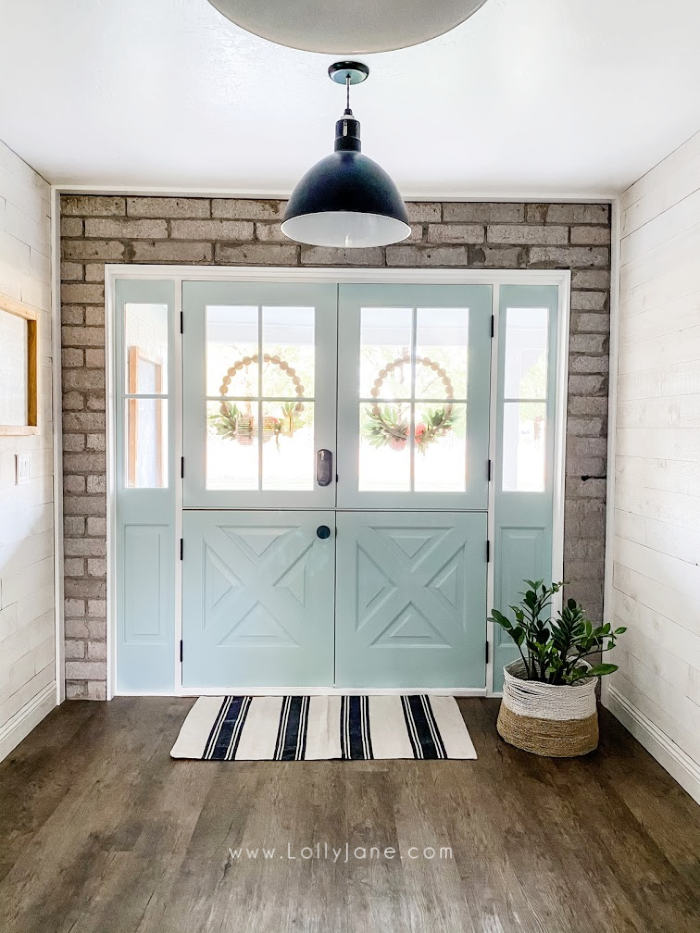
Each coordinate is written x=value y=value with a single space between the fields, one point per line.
x=346 y=199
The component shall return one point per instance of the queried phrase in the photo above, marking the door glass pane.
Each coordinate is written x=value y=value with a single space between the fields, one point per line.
x=288 y=446
x=385 y=454
x=385 y=353
x=146 y=443
x=442 y=344
x=146 y=343
x=288 y=343
x=526 y=353
x=232 y=351
x=524 y=446
x=440 y=460
x=232 y=445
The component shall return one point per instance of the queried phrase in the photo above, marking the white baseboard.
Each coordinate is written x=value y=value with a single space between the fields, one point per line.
x=25 y=719
x=669 y=755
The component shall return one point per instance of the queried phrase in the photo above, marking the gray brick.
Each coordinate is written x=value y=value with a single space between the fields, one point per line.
x=583 y=427
x=84 y=670
x=83 y=378
x=590 y=236
x=247 y=209
x=72 y=359
x=85 y=547
x=98 y=609
x=590 y=324
x=587 y=406
x=95 y=359
x=270 y=233
x=589 y=301
x=456 y=233
x=212 y=230
x=426 y=256
x=95 y=317
x=527 y=235
x=74 y=567
x=110 y=229
x=588 y=343
x=588 y=385
x=74 y=526
x=84 y=505
x=172 y=251
x=97 y=568
x=597 y=279
x=74 y=484
x=483 y=212
x=168 y=207
x=71 y=272
x=83 y=336
x=73 y=314
x=76 y=690
x=97 y=689
x=97 y=651
x=576 y=488
x=571 y=256
x=74 y=607
x=93 y=250
x=588 y=365
x=90 y=587
x=269 y=254
x=95 y=442
x=424 y=211
x=497 y=257
x=578 y=214
x=73 y=442
x=96 y=484
x=76 y=628
x=97 y=526
x=95 y=272
x=98 y=206
x=83 y=293
x=327 y=256
x=85 y=462
x=71 y=226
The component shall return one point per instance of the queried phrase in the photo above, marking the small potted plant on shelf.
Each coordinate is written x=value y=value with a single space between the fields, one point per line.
x=549 y=701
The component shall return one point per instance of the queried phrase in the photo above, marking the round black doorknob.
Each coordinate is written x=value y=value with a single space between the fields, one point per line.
x=323 y=531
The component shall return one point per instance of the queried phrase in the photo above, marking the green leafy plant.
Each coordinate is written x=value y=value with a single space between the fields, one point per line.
x=556 y=651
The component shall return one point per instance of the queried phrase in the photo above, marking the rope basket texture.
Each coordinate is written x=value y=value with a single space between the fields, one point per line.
x=558 y=722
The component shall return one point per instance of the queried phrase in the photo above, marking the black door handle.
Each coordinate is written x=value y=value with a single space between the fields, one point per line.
x=323 y=532
x=324 y=467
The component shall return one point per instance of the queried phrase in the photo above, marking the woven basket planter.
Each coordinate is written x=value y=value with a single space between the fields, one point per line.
x=558 y=722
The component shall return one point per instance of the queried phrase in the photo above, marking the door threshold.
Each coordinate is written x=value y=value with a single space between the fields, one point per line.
x=333 y=691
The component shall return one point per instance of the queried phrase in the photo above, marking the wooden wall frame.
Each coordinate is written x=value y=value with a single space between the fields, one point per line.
x=19 y=309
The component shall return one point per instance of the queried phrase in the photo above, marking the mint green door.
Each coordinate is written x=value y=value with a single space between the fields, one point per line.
x=316 y=409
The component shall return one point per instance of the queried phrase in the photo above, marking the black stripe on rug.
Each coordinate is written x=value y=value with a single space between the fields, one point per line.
x=226 y=733
x=355 y=734
x=422 y=728
x=291 y=735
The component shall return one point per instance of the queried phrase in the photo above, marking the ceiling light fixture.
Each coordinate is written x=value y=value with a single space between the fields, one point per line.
x=334 y=26
x=346 y=199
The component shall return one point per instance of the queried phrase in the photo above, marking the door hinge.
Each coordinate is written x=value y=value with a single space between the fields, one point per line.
x=182 y=467
x=486 y=653
x=488 y=471
x=182 y=322
x=493 y=325
x=488 y=551
x=180 y=651
x=182 y=548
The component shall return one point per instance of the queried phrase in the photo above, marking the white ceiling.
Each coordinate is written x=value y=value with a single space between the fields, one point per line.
x=527 y=98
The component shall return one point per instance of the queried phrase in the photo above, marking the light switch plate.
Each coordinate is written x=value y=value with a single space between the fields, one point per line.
x=23 y=469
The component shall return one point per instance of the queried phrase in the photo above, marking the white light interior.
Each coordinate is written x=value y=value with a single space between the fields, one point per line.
x=345 y=228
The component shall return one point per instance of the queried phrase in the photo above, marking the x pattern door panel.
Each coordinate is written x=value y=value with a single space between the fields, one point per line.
x=258 y=604
x=411 y=599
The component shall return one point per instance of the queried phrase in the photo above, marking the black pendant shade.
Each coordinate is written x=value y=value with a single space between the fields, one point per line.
x=346 y=199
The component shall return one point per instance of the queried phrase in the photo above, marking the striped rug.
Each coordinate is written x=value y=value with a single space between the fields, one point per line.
x=323 y=727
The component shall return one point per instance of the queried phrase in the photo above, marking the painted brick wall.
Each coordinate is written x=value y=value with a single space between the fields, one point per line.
x=27 y=616
x=228 y=231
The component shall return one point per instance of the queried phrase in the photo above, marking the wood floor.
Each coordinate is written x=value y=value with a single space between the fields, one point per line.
x=101 y=832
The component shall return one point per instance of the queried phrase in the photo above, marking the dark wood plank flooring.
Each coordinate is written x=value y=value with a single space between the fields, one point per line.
x=101 y=832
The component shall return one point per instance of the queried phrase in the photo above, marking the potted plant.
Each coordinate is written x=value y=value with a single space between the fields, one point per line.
x=549 y=700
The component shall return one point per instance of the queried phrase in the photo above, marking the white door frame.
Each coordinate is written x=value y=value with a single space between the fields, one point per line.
x=180 y=273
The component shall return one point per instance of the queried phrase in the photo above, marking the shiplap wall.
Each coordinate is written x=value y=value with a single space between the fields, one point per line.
x=656 y=570
x=27 y=619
